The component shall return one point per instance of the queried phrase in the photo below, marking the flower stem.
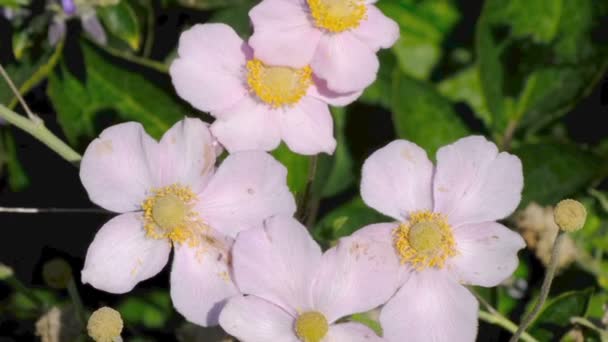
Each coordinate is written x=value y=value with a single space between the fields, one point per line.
x=77 y=302
x=505 y=323
x=306 y=207
x=544 y=291
x=37 y=129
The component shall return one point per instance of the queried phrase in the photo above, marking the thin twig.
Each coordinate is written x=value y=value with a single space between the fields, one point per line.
x=505 y=323
x=18 y=210
x=305 y=206
x=11 y=85
x=544 y=290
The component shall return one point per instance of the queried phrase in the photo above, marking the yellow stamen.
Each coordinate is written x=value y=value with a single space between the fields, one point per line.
x=426 y=240
x=311 y=326
x=105 y=325
x=337 y=15
x=277 y=85
x=168 y=214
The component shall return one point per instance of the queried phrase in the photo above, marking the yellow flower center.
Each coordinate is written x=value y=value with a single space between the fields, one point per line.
x=425 y=241
x=168 y=214
x=105 y=325
x=311 y=326
x=278 y=85
x=337 y=15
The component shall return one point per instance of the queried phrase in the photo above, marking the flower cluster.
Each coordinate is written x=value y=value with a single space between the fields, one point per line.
x=240 y=259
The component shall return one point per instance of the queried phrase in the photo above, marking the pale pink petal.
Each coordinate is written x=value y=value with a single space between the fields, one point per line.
x=396 y=180
x=351 y=332
x=209 y=72
x=92 y=26
x=377 y=30
x=487 y=253
x=277 y=263
x=382 y=233
x=308 y=127
x=248 y=125
x=247 y=188
x=345 y=62
x=201 y=282
x=116 y=168
x=320 y=91
x=121 y=255
x=187 y=154
x=431 y=306
x=252 y=319
x=283 y=33
x=357 y=275
x=474 y=183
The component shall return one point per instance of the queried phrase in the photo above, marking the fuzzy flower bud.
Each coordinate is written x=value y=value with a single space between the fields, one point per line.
x=570 y=215
x=105 y=325
x=5 y=272
x=57 y=273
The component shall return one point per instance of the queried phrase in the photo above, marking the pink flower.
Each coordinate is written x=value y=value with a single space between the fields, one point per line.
x=169 y=193
x=296 y=293
x=255 y=104
x=446 y=235
x=338 y=38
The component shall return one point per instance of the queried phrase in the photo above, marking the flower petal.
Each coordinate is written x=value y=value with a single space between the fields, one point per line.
x=247 y=188
x=474 y=183
x=116 y=167
x=210 y=70
x=283 y=33
x=308 y=127
x=201 y=282
x=253 y=319
x=351 y=332
x=320 y=91
x=277 y=263
x=396 y=180
x=188 y=154
x=487 y=253
x=431 y=306
x=377 y=31
x=357 y=275
x=345 y=62
x=121 y=255
x=92 y=26
x=248 y=125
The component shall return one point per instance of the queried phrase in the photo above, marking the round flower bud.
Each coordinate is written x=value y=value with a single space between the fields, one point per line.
x=105 y=325
x=57 y=273
x=5 y=272
x=570 y=215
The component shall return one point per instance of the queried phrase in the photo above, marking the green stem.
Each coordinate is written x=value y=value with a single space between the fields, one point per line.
x=39 y=75
x=149 y=63
x=149 y=43
x=544 y=290
x=505 y=323
x=588 y=324
x=306 y=206
x=19 y=287
x=77 y=302
x=40 y=132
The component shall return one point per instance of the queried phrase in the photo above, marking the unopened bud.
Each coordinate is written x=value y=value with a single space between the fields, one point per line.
x=105 y=325
x=57 y=273
x=570 y=215
x=5 y=272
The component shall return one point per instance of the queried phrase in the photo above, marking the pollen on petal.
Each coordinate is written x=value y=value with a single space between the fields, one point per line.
x=337 y=15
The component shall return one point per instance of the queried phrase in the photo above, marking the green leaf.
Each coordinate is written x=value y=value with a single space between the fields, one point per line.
x=339 y=175
x=553 y=171
x=366 y=319
x=152 y=310
x=121 y=21
x=424 y=25
x=346 y=219
x=109 y=87
x=423 y=116
x=465 y=86
x=236 y=17
x=297 y=168
x=554 y=319
x=17 y=178
x=209 y=4
x=558 y=60
x=14 y=3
